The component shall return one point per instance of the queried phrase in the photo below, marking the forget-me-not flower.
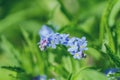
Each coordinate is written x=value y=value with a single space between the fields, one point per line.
x=54 y=40
x=110 y=73
x=71 y=41
x=43 y=43
x=45 y=31
x=64 y=38
x=77 y=55
x=77 y=46
x=73 y=48
x=40 y=77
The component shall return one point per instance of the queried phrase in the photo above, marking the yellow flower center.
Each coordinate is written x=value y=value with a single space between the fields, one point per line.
x=76 y=54
x=81 y=46
x=73 y=46
x=52 y=42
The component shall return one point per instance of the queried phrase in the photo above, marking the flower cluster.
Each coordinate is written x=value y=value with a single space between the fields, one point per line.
x=75 y=45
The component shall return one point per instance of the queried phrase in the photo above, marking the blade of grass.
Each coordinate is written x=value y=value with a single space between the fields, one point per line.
x=104 y=26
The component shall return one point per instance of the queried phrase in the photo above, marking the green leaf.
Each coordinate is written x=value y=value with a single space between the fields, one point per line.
x=115 y=58
x=16 y=69
x=69 y=78
x=67 y=63
x=88 y=74
x=114 y=13
x=94 y=53
x=10 y=51
x=104 y=26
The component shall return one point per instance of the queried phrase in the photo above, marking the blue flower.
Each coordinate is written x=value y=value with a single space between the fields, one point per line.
x=64 y=38
x=77 y=46
x=73 y=48
x=41 y=77
x=110 y=73
x=54 y=39
x=82 y=44
x=71 y=41
x=78 y=55
x=45 y=31
x=83 y=47
x=43 y=43
x=112 y=70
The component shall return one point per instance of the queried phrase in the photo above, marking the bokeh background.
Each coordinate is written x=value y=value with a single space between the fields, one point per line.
x=21 y=20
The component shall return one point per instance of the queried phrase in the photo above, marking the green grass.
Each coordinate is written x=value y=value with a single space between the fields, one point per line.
x=20 y=21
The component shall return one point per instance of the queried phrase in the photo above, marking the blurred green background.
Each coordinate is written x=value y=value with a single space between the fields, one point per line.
x=21 y=20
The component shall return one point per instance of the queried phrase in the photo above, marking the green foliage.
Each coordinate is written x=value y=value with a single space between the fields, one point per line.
x=88 y=74
x=16 y=69
x=20 y=21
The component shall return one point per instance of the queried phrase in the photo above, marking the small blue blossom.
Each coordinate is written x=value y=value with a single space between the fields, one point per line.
x=71 y=41
x=77 y=46
x=112 y=70
x=54 y=40
x=83 y=47
x=45 y=31
x=64 y=38
x=43 y=43
x=110 y=74
x=43 y=77
x=77 y=55
x=73 y=48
